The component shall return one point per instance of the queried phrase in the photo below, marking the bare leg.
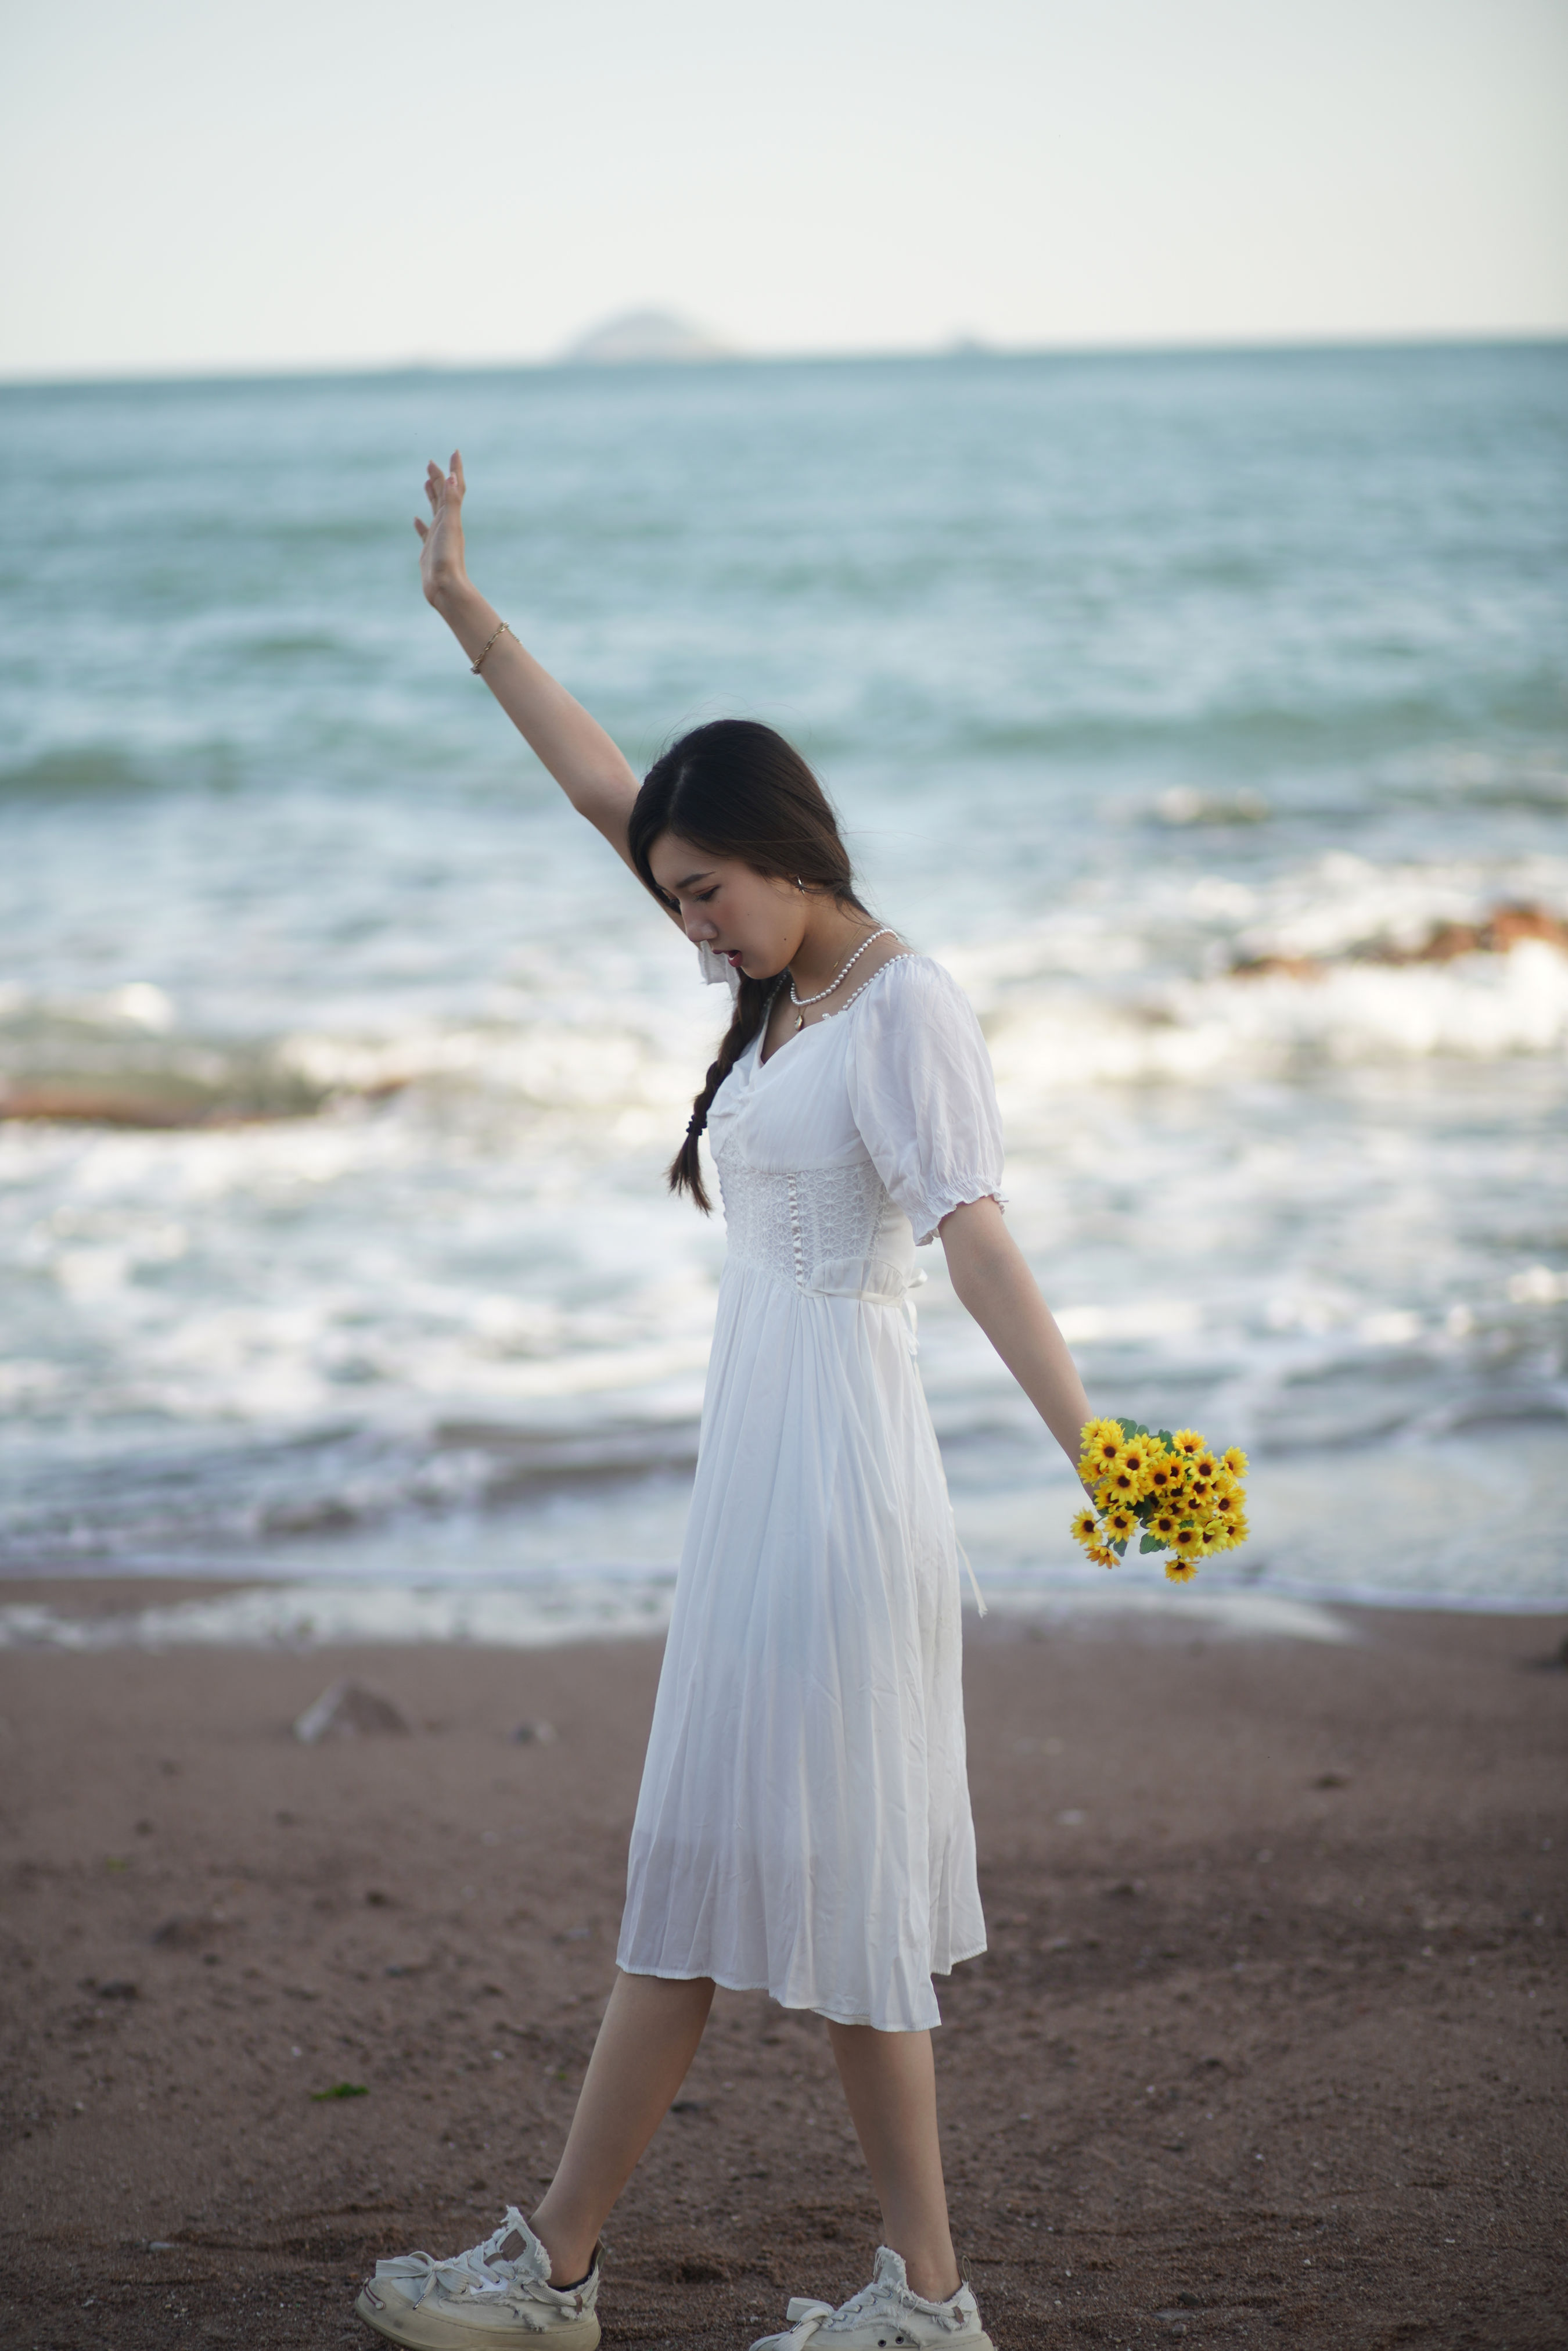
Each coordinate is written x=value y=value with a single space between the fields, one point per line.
x=645 y=2047
x=890 y=2082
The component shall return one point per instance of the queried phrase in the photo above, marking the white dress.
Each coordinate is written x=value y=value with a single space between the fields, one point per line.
x=803 y=1822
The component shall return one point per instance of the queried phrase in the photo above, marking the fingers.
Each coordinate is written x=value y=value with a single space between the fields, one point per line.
x=420 y=527
x=440 y=487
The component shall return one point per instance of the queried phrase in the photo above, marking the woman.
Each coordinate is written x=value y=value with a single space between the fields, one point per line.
x=803 y=1822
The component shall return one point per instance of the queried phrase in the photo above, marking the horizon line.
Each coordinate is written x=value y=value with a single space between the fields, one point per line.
x=959 y=348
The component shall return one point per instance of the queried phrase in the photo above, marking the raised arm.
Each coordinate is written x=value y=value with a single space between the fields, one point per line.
x=575 y=747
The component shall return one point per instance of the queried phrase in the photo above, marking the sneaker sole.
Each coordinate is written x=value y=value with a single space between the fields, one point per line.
x=980 y=2342
x=421 y=2330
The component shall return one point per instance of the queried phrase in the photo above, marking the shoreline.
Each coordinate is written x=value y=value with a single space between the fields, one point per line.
x=1269 y=2031
x=263 y=1613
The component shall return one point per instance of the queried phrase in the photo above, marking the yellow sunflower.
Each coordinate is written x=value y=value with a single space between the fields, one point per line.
x=1102 y=1446
x=1235 y=1460
x=1164 y=1478
x=1120 y=1521
x=1207 y=1466
x=1085 y=1527
x=1181 y=1571
x=1186 y=1541
x=1164 y=1523
x=1122 y=1485
x=1101 y=1557
x=1188 y=1441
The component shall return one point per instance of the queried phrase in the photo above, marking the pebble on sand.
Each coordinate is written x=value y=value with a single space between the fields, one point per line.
x=350 y=1709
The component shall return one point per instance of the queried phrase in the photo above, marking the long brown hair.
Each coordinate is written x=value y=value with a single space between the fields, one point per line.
x=736 y=788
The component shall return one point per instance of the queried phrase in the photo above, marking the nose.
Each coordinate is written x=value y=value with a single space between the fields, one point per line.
x=699 y=926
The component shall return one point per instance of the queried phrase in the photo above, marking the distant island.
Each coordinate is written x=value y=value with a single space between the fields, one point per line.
x=639 y=337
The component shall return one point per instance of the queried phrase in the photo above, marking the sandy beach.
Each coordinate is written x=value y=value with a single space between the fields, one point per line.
x=1268 y=2041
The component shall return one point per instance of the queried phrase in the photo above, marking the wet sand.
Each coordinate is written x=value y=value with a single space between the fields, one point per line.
x=1270 y=2041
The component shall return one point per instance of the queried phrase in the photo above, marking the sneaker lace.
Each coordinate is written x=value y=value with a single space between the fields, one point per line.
x=484 y=2269
x=862 y=2304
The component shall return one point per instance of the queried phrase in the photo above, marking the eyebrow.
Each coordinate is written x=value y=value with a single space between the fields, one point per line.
x=685 y=884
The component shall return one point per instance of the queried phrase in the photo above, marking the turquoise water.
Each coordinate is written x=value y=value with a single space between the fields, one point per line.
x=1121 y=671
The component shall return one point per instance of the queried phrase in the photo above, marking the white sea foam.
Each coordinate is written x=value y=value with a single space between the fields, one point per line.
x=324 y=1614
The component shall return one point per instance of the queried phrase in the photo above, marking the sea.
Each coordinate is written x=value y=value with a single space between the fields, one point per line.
x=1206 y=714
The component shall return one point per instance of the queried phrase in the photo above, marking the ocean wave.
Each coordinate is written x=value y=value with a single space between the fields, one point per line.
x=1181 y=979
x=1196 y=979
x=1481 y=1008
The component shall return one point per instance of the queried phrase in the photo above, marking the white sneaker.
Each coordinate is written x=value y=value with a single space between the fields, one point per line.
x=496 y=2297
x=881 y=2316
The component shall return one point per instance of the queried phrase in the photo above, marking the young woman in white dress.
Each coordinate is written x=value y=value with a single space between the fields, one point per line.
x=803 y=1822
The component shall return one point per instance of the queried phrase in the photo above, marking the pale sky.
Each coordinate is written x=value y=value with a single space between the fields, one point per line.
x=194 y=184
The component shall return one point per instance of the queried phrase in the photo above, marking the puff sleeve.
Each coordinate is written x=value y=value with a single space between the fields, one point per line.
x=922 y=1093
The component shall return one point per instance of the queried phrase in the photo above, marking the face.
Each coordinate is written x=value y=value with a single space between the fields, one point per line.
x=753 y=920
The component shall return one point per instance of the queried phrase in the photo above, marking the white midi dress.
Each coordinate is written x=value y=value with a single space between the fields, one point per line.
x=803 y=1822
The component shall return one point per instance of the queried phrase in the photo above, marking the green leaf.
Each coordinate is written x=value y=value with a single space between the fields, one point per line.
x=1120 y=1550
x=1152 y=1542
x=340 y=2090
x=1129 y=1429
x=1166 y=1439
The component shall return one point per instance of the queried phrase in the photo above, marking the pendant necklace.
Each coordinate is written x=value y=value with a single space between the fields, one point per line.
x=800 y=1001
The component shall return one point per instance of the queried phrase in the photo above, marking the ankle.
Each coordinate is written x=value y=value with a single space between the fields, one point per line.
x=571 y=2261
x=935 y=2280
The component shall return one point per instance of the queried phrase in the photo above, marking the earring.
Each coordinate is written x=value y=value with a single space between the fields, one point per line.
x=800 y=886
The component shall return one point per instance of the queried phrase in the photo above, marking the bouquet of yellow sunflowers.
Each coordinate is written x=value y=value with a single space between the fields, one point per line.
x=1170 y=1490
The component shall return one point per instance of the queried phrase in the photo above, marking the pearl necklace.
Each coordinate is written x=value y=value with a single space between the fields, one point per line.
x=800 y=1001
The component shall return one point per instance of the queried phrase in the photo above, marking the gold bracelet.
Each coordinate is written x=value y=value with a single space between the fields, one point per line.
x=474 y=667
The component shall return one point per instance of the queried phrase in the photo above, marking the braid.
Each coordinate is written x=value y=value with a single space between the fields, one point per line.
x=751 y=1009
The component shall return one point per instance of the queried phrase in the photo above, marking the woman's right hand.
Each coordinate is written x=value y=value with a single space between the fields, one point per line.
x=442 y=569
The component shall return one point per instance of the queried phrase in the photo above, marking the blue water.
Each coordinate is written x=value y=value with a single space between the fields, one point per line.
x=1122 y=670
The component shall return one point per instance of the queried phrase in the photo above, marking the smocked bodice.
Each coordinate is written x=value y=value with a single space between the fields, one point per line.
x=834 y=1231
